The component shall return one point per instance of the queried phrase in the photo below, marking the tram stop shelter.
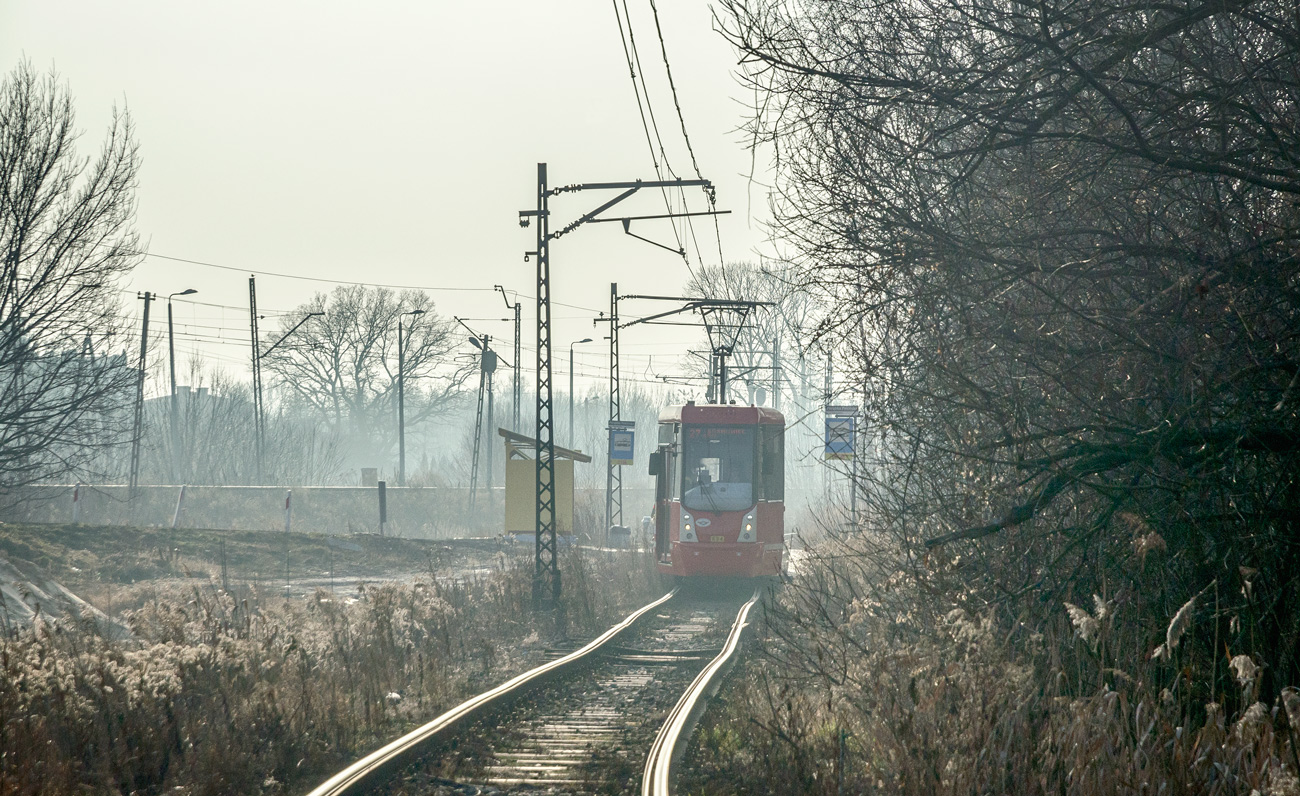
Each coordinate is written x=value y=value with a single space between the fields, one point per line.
x=521 y=486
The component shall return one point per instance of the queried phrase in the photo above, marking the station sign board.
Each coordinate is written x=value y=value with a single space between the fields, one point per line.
x=622 y=441
x=841 y=432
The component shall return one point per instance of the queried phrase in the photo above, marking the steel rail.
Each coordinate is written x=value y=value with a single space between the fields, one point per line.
x=670 y=743
x=368 y=772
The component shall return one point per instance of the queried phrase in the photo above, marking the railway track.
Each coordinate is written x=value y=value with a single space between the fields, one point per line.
x=609 y=717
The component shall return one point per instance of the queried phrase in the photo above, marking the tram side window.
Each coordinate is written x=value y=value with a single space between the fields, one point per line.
x=772 y=440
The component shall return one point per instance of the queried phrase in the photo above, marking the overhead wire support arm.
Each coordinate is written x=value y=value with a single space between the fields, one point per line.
x=656 y=216
x=696 y=300
x=629 y=188
x=276 y=344
x=723 y=332
x=692 y=305
x=634 y=184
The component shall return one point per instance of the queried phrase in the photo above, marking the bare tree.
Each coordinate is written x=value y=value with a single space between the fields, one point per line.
x=216 y=415
x=66 y=237
x=1068 y=233
x=343 y=365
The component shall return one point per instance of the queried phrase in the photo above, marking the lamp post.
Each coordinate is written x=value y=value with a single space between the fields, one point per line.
x=573 y=436
x=514 y=378
x=171 y=357
x=401 y=398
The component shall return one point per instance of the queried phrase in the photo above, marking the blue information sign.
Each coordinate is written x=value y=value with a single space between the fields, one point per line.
x=622 y=445
x=840 y=433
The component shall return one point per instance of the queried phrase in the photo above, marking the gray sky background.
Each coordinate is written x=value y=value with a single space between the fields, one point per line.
x=395 y=142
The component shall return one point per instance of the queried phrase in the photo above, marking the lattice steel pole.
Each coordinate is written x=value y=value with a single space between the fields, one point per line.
x=517 y=381
x=614 y=474
x=546 y=575
x=546 y=570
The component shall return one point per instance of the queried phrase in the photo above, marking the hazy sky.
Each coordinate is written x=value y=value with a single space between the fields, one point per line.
x=395 y=142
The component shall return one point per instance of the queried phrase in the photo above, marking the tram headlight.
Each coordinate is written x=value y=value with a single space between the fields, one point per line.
x=687 y=531
x=747 y=528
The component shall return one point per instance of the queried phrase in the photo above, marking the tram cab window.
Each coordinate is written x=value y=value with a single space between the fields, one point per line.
x=718 y=465
x=771 y=442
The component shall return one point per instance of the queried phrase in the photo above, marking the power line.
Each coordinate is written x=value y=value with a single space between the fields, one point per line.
x=264 y=313
x=333 y=282
x=312 y=278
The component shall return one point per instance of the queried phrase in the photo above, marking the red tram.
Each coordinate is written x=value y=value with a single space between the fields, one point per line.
x=719 y=491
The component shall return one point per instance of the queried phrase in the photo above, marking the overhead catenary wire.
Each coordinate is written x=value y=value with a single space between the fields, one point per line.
x=660 y=159
x=672 y=85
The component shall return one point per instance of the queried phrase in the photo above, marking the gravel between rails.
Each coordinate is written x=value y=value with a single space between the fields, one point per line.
x=588 y=734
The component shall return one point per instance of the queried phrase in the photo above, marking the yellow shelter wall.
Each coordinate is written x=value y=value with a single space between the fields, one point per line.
x=521 y=496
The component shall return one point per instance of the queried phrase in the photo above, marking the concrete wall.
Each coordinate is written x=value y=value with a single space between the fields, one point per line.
x=413 y=512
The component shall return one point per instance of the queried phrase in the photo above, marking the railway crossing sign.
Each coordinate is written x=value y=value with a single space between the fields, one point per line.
x=622 y=441
x=841 y=432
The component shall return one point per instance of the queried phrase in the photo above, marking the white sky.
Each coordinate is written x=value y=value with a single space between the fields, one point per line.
x=395 y=142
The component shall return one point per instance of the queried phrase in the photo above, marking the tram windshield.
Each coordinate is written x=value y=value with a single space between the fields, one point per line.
x=717 y=468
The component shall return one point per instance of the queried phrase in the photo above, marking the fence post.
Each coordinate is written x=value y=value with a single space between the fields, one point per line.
x=288 y=510
x=180 y=499
x=383 y=505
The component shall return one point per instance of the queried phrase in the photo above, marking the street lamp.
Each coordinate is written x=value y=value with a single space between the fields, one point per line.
x=171 y=357
x=514 y=379
x=401 y=399
x=573 y=436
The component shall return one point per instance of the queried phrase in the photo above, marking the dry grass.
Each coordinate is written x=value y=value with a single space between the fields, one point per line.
x=854 y=694
x=254 y=694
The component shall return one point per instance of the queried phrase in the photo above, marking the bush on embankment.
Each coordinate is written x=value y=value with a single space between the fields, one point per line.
x=863 y=682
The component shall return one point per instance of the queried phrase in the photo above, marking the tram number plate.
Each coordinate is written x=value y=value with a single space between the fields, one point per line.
x=716 y=538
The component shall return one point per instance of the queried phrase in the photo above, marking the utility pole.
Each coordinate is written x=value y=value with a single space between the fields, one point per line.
x=515 y=382
x=546 y=571
x=401 y=398
x=138 y=427
x=487 y=366
x=826 y=401
x=488 y=361
x=546 y=565
x=776 y=371
x=488 y=353
x=613 y=473
x=175 y=412
x=258 y=422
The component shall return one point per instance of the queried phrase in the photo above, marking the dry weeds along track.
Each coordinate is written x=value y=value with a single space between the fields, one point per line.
x=597 y=720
